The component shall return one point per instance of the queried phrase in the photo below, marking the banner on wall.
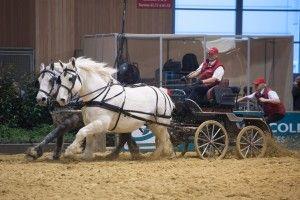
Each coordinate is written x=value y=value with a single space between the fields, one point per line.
x=289 y=125
x=158 y=4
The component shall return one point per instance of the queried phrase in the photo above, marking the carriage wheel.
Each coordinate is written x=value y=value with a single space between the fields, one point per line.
x=251 y=142
x=211 y=140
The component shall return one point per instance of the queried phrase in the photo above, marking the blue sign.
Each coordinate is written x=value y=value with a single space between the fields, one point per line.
x=289 y=125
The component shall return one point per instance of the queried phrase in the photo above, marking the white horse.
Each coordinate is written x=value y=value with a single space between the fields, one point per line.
x=48 y=87
x=94 y=81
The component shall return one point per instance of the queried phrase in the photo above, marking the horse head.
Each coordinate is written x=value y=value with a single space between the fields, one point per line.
x=70 y=82
x=47 y=83
x=84 y=77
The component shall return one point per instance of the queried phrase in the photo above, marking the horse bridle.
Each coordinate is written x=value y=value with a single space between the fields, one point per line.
x=72 y=80
x=51 y=81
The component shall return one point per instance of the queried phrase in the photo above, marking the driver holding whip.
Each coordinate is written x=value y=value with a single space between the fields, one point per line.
x=209 y=73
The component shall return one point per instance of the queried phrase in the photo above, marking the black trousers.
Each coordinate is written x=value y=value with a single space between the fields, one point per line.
x=198 y=93
x=274 y=118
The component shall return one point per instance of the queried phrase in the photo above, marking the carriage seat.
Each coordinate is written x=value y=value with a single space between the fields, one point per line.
x=210 y=93
x=222 y=95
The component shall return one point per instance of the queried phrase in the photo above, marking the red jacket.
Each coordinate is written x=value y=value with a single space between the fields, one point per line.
x=270 y=108
x=208 y=71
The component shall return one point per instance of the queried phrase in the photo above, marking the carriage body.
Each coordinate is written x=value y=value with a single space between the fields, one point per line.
x=214 y=127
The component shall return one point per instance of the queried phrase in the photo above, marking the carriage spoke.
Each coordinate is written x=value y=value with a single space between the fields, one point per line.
x=217 y=148
x=216 y=133
x=245 y=148
x=207 y=131
x=247 y=151
x=219 y=138
x=252 y=139
x=203 y=139
x=212 y=131
x=257 y=140
x=246 y=139
x=219 y=143
x=251 y=151
x=205 y=134
x=204 y=144
x=204 y=150
x=256 y=147
x=211 y=150
x=243 y=143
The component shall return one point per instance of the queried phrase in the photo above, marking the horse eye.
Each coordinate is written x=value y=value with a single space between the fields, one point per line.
x=71 y=79
x=52 y=80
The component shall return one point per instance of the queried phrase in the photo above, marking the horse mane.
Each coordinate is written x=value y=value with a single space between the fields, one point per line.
x=90 y=65
x=57 y=67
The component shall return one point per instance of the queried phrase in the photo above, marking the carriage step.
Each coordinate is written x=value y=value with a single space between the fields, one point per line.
x=233 y=118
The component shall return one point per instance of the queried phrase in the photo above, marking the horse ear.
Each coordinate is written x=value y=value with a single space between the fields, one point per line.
x=52 y=66
x=73 y=61
x=61 y=64
x=42 y=67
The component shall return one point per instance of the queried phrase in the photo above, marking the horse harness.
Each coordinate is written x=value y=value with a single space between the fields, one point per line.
x=103 y=103
x=72 y=80
x=52 y=81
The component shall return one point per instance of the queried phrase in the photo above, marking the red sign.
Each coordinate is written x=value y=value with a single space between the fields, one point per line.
x=161 y=4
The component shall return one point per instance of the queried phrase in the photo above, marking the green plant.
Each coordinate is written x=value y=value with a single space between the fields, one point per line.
x=18 y=106
x=20 y=135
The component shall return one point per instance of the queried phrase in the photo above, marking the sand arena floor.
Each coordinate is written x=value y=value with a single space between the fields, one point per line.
x=180 y=178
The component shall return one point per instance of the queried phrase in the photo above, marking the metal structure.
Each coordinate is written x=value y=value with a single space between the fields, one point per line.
x=21 y=59
x=245 y=58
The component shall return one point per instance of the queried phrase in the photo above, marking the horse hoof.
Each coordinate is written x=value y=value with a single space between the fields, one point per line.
x=55 y=157
x=33 y=153
x=112 y=156
x=68 y=153
x=154 y=156
x=172 y=156
x=137 y=156
x=29 y=158
x=87 y=156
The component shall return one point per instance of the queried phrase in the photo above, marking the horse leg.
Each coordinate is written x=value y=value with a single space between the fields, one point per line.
x=116 y=152
x=168 y=146
x=163 y=143
x=89 y=147
x=160 y=140
x=37 y=151
x=66 y=126
x=60 y=130
x=99 y=126
x=58 y=148
x=132 y=146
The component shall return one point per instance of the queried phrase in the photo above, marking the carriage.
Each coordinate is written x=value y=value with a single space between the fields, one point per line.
x=213 y=127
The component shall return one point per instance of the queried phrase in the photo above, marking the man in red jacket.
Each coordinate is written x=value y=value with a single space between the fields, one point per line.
x=209 y=74
x=273 y=108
